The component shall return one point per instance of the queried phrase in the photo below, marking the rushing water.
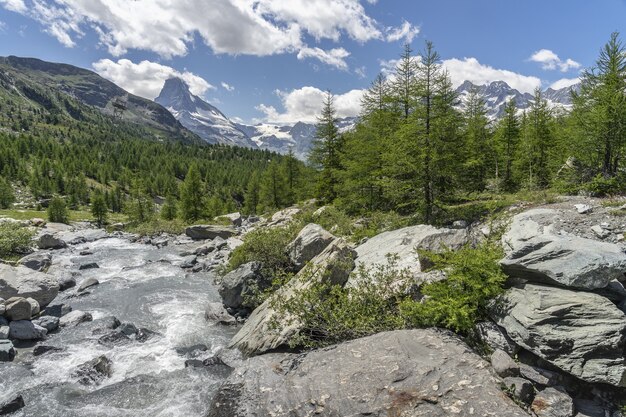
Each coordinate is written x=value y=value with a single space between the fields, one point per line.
x=142 y=285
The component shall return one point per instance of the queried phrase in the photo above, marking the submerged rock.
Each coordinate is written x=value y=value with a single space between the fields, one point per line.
x=11 y=406
x=93 y=371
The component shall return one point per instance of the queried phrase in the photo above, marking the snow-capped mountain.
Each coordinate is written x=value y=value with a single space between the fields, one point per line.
x=498 y=93
x=199 y=116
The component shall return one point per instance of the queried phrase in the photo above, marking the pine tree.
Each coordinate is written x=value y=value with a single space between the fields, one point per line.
x=192 y=205
x=478 y=150
x=99 y=208
x=251 y=198
x=538 y=143
x=291 y=172
x=273 y=187
x=7 y=197
x=507 y=142
x=57 y=211
x=169 y=210
x=403 y=87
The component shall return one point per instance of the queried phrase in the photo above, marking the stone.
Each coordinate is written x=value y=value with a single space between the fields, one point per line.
x=212 y=246
x=94 y=371
x=553 y=402
x=189 y=261
x=583 y=208
x=536 y=252
x=66 y=282
x=539 y=376
x=37 y=222
x=18 y=308
x=503 y=364
x=264 y=331
x=459 y=224
x=282 y=217
x=26 y=330
x=57 y=310
x=425 y=372
x=10 y=407
x=578 y=332
x=89 y=265
x=4 y=332
x=234 y=218
x=208 y=231
x=520 y=388
x=600 y=232
x=309 y=243
x=49 y=241
x=7 y=351
x=43 y=349
x=495 y=337
x=590 y=408
x=74 y=318
x=34 y=306
x=114 y=338
x=240 y=283
x=403 y=243
x=215 y=312
x=50 y=323
x=37 y=261
x=24 y=282
x=87 y=283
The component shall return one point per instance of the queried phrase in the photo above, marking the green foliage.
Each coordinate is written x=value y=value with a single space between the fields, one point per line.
x=139 y=207
x=273 y=188
x=57 y=211
x=474 y=278
x=7 y=197
x=15 y=239
x=156 y=226
x=192 y=200
x=169 y=209
x=601 y=186
x=99 y=209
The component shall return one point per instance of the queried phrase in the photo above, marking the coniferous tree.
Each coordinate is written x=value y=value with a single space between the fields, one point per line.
x=273 y=187
x=192 y=204
x=7 y=197
x=99 y=208
x=169 y=210
x=291 y=172
x=507 y=141
x=251 y=198
x=57 y=211
x=479 y=154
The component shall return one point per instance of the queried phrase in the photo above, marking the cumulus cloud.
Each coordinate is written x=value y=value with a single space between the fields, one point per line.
x=406 y=32
x=305 y=104
x=564 y=83
x=14 y=5
x=146 y=78
x=227 y=86
x=551 y=61
x=335 y=57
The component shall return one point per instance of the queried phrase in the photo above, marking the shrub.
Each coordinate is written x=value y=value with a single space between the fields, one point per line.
x=14 y=239
x=57 y=211
x=600 y=186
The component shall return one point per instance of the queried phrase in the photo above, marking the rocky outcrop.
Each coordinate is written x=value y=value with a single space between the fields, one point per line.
x=236 y=286
x=208 y=231
x=537 y=251
x=259 y=334
x=24 y=282
x=283 y=217
x=553 y=402
x=402 y=373
x=581 y=333
x=216 y=313
x=50 y=241
x=309 y=243
x=37 y=261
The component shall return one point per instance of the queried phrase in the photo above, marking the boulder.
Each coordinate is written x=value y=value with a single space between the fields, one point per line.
x=66 y=282
x=24 y=282
x=50 y=323
x=43 y=349
x=309 y=243
x=240 y=283
x=503 y=364
x=86 y=283
x=11 y=406
x=281 y=218
x=520 y=388
x=234 y=218
x=553 y=402
x=94 y=371
x=89 y=265
x=7 y=351
x=264 y=330
x=50 y=241
x=536 y=251
x=74 y=318
x=578 y=332
x=208 y=231
x=34 y=306
x=38 y=261
x=583 y=208
x=215 y=312
x=188 y=261
x=404 y=243
x=18 y=308
x=493 y=336
x=4 y=331
x=424 y=372
x=26 y=330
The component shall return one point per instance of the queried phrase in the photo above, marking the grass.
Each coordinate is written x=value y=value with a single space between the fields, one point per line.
x=75 y=215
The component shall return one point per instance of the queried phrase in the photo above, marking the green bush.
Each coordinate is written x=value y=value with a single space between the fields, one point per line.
x=57 y=211
x=15 y=239
x=602 y=187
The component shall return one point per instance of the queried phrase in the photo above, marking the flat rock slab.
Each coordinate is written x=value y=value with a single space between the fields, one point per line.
x=402 y=373
x=24 y=282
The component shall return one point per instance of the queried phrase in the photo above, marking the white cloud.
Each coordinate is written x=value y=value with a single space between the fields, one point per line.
x=3 y=26
x=551 y=61
x=146 y=78
x=564 y=83
x=335 y=57
x=305 y=104
x=227 y=86
x=406 y=32
x=14 y=5
x=361 y=72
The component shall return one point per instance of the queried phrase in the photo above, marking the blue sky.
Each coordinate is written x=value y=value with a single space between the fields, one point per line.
x=270 y=60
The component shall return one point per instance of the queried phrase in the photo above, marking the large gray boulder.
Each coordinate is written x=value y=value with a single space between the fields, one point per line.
x=50 y=241
x=309 y=243
x=283 y=217
x=265 y=330
x=234 y=218
x=26 y=330
x=209 y=231
x=241 y=283
x=216 y=313
x=38 y=261
x=581 y=333
x=536 y=250
x=404 y=243
x=17 y=308
x=24 y=282
x=402 y=373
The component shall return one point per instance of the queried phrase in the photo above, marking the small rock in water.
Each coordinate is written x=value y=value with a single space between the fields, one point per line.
x=90 y=265
x=12 y=406
x=583 y=208
x=114 y=338
x=7 y=351
x=50 y=323
x=216 y=312
x=43 y=349
x=128 y=329
x=89 y=282
x=190 y=350
x=104 y=324
x=85 y=253
x=143 y=335
x=57 y=310
x=93 y=371
x=74 y=318
x=66 y=282
x=188 y=262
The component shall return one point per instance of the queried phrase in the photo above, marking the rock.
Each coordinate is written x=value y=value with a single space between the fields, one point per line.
x=12 y=406
x=50 y=323
x=578 y=332
x=18 y=308
x=49 y=241
x=57 y=310
x=188 y=261
x=234 y=218
x=215 y=312
x=309 y=243
x=403 y=243
x=85 y=252
x=215 y=244
x=459 y=224
x=600 y=232
x=114 y=338
x=117 y=227
x=539 y=376
x=553 y=402
x=26 y=330
x=402 y=373
x=7 y=351
x=34 y=306
x=589 y=408
x=260 y=333
x=503 y=364
x=4 y=332
x=74 y=318
x=93 y=371
x=37 y=261
x=493 y=336
x=86 y=283
x=3 y=309
x=66 y=282
x=520 y=388
x=583 y=208
x=104 y=325
x=237 y=285
x=24 y=282
x=90 y=265
x=535 y=252
x=207 y=231
x=37 y=222
x=281 y=218
x=43 y=349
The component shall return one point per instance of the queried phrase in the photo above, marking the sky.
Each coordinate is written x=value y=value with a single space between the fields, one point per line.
x=272 y=60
